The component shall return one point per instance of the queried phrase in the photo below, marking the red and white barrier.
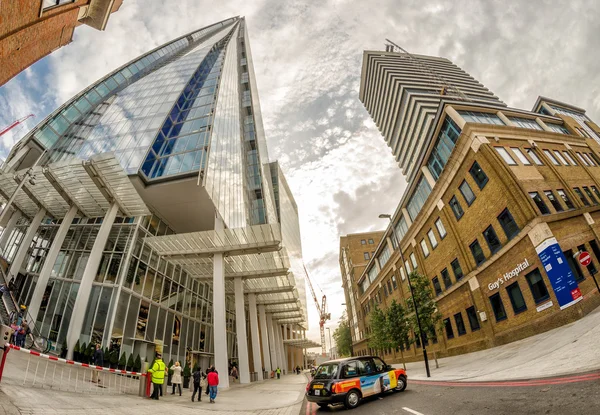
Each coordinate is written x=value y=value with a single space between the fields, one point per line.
x=72 y=362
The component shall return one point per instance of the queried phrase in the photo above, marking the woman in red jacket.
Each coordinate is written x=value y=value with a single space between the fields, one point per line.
x=213 y=382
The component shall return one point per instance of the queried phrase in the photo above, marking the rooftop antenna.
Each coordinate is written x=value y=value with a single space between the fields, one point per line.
x=445 y=87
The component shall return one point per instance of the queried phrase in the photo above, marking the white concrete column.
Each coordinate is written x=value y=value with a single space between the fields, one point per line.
x=281 y=356
x=254 y=335
x=22 y=252
x=89 y=274
x=286 y=347
x=305 y=359
x=42 y=282
x=10 y=226
x=293 y=349
x=240 y=327
x=264 y=330
x=219 y=315
x=272 y=344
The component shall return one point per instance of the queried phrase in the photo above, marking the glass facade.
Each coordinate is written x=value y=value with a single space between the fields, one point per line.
x=443 y=147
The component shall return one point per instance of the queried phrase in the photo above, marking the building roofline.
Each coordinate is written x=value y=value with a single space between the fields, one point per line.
x=540 y=99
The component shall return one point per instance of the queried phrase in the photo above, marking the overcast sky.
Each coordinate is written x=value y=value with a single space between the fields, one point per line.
x=307 y=57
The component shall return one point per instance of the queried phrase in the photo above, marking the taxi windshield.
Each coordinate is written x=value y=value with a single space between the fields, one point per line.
x=327 y=371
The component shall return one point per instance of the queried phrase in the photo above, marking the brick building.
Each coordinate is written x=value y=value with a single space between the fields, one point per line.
x=503 y=202
x=33 y=29
x=355 y=252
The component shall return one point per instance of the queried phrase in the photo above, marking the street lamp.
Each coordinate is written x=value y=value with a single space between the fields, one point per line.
x=330 y=344
x=386 y=216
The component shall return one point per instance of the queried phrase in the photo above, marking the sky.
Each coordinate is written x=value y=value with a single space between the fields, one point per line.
x=307 y=58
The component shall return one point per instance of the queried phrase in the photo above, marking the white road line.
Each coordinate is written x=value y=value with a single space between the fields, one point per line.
x=412 y=411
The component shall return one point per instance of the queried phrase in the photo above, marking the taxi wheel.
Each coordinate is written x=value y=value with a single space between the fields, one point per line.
x=323 y=405
x=352 y=399
x=401 y=384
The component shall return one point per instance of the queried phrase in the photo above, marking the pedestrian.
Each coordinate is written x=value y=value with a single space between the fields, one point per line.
x=199 y=384
x=176 y=379
x=98 y=361
x=234 y=373
x=278 y=373
x=208 y=370
x=158 y=375
x=213 y=382
x=20 y=336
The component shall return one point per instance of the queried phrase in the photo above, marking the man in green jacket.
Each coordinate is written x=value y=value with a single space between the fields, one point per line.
x=158 y=375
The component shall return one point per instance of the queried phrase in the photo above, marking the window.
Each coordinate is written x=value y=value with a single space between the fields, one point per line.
x=432 y=239
x=551 y=157
x=525 y=123
x=379 y=366
x=371 y=242
x=448 y=327
x=424 y=248
x=460 y=324
x=446 y=278
x=353 y=369
x=456 y=208
x=568 y=157
x=418 y=198
x=516 y=298
x=467 y=193
x=413 y=259
x=520 y=156
x=384 y=256
x=558 y=128
x=581 y=196
x=458 y=272
x=363 y=242
x=555 y=203
x=531 y=153
x=477 y=252
x=498 y=307
x=401 y=229
x=505 y=156
x=473 y=320
x=440 y=227
x=394 y=282
x=584 y=161
x=444 y=145
x=565 y=199
x=481 y=117
x=508 y=224
x=595 y=192
x=539 y=203
x=574 y=264
x=492 y=239
x=407 y=266
x=385 y=291
x=48 y=4
x=389 y=286
x=436 y=285
x=590 y=267
x=590 y=195
x=589 y=158
x=478 y=175
x=366 y=256
x=560 y=157
x=537 y=286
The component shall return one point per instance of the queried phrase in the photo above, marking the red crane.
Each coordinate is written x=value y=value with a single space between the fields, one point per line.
x=14 y=124
x=323 y=314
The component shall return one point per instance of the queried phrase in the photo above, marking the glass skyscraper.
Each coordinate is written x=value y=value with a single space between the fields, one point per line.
x=148 y=200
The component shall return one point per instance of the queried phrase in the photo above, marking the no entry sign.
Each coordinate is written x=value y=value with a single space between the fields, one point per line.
x=585 y=259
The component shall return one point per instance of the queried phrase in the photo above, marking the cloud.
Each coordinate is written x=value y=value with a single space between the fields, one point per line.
x=308 y=57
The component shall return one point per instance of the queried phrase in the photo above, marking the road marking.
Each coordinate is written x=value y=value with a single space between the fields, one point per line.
x=412 y=411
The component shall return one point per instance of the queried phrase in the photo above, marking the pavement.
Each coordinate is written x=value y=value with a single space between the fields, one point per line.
x=20 y=395
x=573 y=348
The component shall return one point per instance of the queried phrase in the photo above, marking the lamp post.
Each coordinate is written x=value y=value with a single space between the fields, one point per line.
x=389 y=217
x=330 y=344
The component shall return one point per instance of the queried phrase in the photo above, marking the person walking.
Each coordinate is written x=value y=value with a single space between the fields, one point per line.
x=278 y=373
x=98 y=361
x=213 y=382
x=208 y=370
x=176 y=379
x=158 y=375
x=199 y=384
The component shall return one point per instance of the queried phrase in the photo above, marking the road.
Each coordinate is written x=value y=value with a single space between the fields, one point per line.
x=578 y=395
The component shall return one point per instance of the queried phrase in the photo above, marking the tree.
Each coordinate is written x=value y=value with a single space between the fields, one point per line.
x=399 y=327
x=343 y=338
x=379 y=338
x=123 y=361
x=130 y=362
x=137 y=365
x=429 y=316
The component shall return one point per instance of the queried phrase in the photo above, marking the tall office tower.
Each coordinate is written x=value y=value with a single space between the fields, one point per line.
x=403 y=93
x=145 y=217
x=33 y=29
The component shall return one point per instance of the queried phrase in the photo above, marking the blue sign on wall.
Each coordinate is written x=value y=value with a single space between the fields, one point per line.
x=559 y=273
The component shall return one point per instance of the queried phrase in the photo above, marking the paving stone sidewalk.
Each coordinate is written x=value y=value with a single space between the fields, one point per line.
x=573 y=348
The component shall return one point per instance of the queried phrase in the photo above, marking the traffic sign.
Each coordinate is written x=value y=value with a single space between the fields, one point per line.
x=585 y=258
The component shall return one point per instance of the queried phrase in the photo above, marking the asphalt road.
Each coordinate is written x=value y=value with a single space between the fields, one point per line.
x=557 y=396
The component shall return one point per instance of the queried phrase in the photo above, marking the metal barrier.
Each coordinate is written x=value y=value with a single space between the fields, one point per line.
x=44 y=371
x=253 y=376
x=265 y=374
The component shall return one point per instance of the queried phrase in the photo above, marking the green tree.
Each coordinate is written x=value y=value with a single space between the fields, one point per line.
x=399 y=327
x=123 y=361
x=137 y=365
x=429 y=316
x=343 y=338
x=379 y=337
x=130 y=362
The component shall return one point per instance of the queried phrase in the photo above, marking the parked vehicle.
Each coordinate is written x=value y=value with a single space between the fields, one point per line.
x=347 y=381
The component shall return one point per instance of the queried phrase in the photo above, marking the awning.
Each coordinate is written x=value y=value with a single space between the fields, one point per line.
x=303 y=343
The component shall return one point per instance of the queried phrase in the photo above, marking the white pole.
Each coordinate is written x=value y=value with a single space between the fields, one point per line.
x=242 y=338
x=254 y=335
x=264 y=331
x=219 y=317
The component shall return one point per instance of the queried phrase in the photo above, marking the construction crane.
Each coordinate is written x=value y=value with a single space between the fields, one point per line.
x=445 y=87
x=14 y=124
x=323 y=314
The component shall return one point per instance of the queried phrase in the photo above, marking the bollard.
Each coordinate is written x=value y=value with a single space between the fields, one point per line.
x=144 y=381
x=4 y=352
